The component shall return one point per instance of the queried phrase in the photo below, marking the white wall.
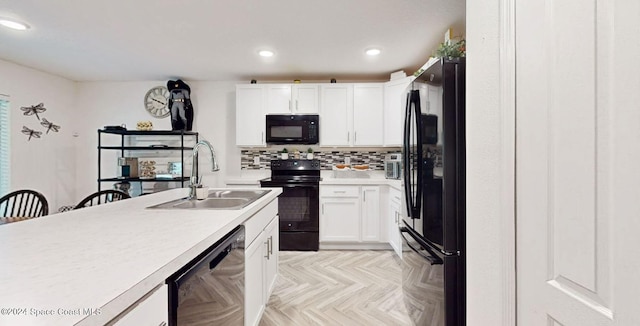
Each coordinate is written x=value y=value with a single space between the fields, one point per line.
x=115 y=103
x=46 y=164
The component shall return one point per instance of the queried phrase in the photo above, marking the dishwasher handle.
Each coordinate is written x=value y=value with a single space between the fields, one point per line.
x=213 y=263
x=218 y=252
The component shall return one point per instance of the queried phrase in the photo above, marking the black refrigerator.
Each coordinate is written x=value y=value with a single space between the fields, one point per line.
x=433 y=226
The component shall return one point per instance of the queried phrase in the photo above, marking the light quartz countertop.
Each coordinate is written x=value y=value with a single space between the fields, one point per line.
x=368 y=178
x=103 y=257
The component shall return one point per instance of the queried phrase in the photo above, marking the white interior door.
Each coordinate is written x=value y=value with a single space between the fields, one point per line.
x=578 y=148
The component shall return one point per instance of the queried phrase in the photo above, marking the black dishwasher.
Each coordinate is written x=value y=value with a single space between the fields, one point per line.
x=209 y=290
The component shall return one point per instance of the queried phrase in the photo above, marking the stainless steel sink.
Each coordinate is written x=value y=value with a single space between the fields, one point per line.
x=217 y=199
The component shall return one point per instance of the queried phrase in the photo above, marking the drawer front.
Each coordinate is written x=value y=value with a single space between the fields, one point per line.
x=151 y=311
x=256 y=223
x=339 y=191
x=395 y=195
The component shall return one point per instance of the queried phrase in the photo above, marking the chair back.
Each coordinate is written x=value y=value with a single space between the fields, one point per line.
x=102 y=197
x=24 y=203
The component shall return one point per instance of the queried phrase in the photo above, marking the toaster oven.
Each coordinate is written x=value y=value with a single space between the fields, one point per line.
x=393 y=166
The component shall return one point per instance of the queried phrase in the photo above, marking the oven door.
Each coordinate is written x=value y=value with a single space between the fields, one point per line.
x=298 y=207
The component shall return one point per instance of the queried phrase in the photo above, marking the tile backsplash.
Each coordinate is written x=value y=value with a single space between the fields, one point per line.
x=327 y=159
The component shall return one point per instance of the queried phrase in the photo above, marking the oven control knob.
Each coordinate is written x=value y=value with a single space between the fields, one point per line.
x=289 y=224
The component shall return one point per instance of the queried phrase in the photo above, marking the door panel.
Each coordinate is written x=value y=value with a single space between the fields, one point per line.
x=567 y=140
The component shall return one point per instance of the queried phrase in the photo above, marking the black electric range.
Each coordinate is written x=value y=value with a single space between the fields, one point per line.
x=299 y=203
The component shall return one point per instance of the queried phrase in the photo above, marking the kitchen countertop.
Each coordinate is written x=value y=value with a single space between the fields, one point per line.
x=103 y=257
x=328 y=179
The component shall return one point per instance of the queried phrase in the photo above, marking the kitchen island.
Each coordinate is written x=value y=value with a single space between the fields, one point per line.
x=86 y=267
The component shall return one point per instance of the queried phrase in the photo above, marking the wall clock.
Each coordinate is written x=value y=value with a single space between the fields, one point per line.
x=156 y=102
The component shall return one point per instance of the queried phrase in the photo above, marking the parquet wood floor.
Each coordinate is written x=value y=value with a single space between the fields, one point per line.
x=331 y=287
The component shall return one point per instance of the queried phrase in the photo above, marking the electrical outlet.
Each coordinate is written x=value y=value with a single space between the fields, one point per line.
x=347 y=160
x=256 y=160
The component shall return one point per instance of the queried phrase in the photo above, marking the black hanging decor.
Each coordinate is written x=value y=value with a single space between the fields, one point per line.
x=180 y=105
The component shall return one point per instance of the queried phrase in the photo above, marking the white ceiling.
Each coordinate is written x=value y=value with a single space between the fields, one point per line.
x=126 y=40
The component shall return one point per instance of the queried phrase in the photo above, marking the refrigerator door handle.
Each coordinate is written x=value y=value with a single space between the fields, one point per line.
x=432 y=258
x=413 y=202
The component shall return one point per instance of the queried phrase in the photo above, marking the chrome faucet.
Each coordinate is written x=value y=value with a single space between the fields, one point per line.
x=194 y=181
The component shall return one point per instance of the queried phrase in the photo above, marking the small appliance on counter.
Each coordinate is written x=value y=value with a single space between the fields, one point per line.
x=393 y=166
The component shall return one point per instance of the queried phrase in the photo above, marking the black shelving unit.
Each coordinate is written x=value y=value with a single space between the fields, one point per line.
x=159 y=147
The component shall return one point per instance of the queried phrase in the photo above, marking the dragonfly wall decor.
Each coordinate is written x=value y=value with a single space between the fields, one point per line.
x=49 y=125
x=31 y=132
x=34 y=109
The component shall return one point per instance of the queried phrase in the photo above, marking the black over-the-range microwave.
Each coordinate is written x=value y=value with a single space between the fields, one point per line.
x=292 y=129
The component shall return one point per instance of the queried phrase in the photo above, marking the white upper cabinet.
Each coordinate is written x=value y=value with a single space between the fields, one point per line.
x=395 y=99
x=336 y=114
x=291 y=98
x=304 y=98
x=250 y=117
x=368 y=116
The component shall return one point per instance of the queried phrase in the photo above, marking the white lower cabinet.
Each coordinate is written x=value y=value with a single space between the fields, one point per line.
x=395 y=218
x=261 y=261
x=340 y=219
x=272 y=233
x=253 y=282
x=152 y=310
x=349 y=214
x=370 y=214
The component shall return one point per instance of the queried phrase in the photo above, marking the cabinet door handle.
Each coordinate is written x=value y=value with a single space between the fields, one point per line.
x=290 y=106
x=348 y=136
x=355 y=136
x=297 y=105
x=364 y=196
x=270 y=245
x=266 y=244
x=262 y=137
x=323 y=209
x=339 y=191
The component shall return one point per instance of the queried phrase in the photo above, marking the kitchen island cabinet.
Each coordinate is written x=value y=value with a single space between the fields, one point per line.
x=261 y=261
x=104 y=259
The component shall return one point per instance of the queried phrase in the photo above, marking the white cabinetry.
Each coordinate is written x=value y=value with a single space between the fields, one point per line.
x=340 y=213
x=368 y=116
x=152 y=310
x=394 y=220
x=370 y=213
x=261 y=261
x=351 y=114
x=250 y=116
x=272 y=241
x=350 y=214
x=395 y=100
x=336 y=114
x=291 y=98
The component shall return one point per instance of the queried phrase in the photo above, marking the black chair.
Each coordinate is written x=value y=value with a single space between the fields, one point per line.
x=102 y=197
x=24 y=203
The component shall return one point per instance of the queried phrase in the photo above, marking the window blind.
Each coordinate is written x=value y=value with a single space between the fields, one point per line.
x=5 y=145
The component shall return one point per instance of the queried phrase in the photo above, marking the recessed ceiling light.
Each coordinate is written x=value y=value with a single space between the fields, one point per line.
x=372 y=52
x=266 y=53
x=13 y=24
